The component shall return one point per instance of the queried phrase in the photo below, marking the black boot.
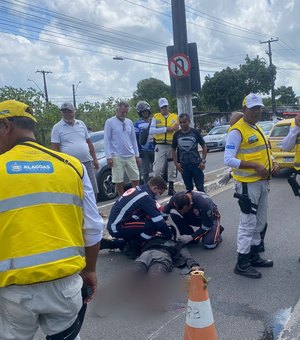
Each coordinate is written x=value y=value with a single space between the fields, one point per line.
x=256 y=260
x=244 y=268
x=115 y=243
x=261 y=248
x=171 y=190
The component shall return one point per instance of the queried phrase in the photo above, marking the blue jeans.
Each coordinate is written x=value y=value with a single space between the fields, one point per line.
x=191 y=173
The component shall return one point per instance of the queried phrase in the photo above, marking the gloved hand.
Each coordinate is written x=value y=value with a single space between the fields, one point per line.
x=226 y=177
x=185 y=239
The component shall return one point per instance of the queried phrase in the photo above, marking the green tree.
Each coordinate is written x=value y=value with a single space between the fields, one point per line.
x=150 y=90
x=222 y=91
x=226 y=89
x=286 y=96
x=46 y=114
x=95 y=114
x=256 y=75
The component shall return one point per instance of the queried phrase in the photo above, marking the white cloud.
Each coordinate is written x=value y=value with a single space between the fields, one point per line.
x=225 y=32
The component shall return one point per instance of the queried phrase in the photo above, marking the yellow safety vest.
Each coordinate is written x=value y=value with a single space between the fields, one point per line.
x=297 y=150
x=40 y=216
x=253 y=148
x=161 y=121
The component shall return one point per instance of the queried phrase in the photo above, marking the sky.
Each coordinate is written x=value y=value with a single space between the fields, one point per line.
x=76 y=41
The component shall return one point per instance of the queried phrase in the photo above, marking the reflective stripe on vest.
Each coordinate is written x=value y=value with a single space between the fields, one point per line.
x=251 y=150
x=39 y=198
x=42 y=258
x=244 y=173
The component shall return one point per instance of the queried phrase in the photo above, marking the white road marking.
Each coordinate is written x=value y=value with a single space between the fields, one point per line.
x=156 y=333
x=210 y=172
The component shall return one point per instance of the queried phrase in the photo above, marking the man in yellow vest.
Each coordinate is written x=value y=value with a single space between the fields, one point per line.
x=50 y=231
x=247 y=152
x=292 y=139
x=163 y=126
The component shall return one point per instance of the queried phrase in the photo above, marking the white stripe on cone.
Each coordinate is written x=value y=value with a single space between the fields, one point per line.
x=199 y=314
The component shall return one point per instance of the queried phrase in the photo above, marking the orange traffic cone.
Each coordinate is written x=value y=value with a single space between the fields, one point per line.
x=199 y=318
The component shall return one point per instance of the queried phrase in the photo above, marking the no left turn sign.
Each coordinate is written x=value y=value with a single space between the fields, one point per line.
x=179 y=65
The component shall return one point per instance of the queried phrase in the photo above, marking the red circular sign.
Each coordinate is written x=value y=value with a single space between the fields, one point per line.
x=179 y=65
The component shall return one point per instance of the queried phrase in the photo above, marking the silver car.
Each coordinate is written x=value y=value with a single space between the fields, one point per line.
x=216 y=138
x=107 y=190
x=266 y=126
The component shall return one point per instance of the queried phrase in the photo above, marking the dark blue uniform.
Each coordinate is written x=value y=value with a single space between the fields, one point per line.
x=201 y=222
x=136 y=216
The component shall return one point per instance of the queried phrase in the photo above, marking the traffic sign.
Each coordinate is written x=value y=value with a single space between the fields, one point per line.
x=179 y=65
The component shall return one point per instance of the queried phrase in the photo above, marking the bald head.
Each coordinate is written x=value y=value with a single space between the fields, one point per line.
x=235 y=117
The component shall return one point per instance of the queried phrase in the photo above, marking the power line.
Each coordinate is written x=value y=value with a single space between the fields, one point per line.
x=191 y=23
x=218 y=20
x=66 y=23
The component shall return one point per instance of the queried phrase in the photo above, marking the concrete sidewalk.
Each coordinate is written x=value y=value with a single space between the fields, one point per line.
x=291 y=330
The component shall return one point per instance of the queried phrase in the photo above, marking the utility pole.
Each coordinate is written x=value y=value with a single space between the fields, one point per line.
x=74 y=89
x=74 y=99
x=45 y=84
x=269 y=53
x=183 y=85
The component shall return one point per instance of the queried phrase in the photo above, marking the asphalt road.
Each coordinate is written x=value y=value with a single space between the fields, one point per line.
x=243 y=308
x=215 y=160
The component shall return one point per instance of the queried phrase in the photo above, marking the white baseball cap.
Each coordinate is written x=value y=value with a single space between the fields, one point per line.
x=253 y=99
x=163 y=102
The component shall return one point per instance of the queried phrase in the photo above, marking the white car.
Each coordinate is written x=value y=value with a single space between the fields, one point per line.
x=266 y=126
x=216 y=138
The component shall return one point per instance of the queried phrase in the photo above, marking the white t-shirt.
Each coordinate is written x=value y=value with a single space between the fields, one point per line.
x=120 y=138
x=72 y=139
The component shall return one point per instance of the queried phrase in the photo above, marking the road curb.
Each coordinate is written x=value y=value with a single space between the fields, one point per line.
x=291 y=330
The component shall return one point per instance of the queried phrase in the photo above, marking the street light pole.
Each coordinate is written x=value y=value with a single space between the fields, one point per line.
x=36 y=86
x=118 y=57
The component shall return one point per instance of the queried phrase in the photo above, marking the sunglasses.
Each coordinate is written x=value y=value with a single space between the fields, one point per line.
x=124 y=126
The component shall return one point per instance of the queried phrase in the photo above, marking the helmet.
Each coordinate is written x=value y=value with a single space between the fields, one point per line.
x=142 y=106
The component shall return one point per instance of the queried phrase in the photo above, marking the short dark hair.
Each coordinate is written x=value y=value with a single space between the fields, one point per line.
x=182 y=200
x=184 y=115
x=23 y=122
x=158 y=181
